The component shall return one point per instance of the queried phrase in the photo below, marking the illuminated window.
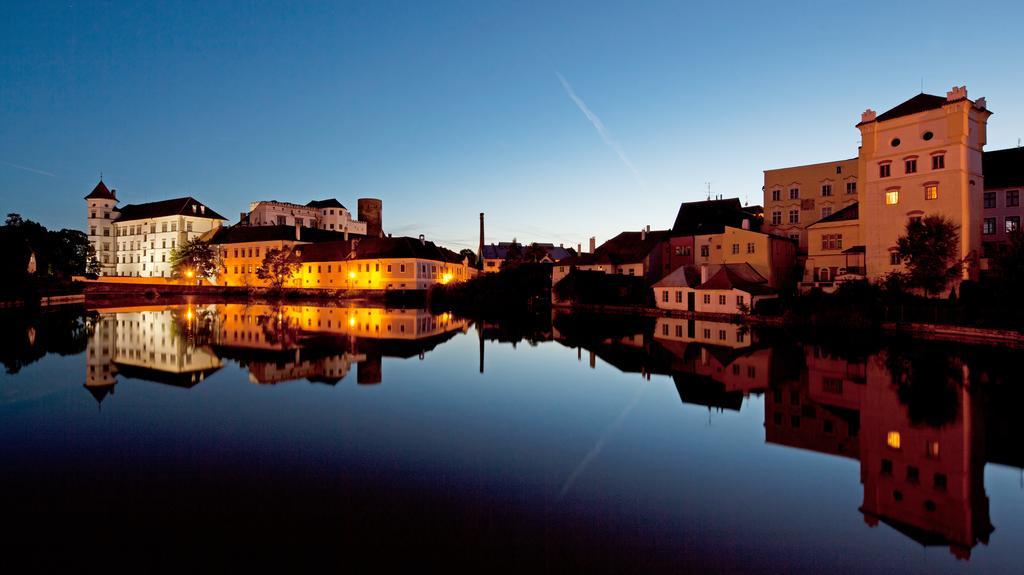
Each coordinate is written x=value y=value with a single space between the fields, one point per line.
x=892 y=439
x=931 y=192
x=892 y=197
x=932 y=450
x=1012 y=224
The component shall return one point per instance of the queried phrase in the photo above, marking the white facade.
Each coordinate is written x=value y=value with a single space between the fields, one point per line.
x=143 y=247
x=331 y=216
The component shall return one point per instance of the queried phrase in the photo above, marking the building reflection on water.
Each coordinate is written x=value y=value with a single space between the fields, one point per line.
x=182 y=345
x=922 y=423
x=922 y=418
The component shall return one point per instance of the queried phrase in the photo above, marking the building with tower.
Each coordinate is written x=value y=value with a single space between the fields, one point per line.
x=922 y=157
x=136 y=240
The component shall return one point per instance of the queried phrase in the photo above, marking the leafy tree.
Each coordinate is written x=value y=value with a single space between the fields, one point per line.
x=14 y=220
x=1010 y=263
x=470 y=256
x=194 y=259
x=69 y=253
x=514 y=255
x=929 y=250
x=534 y=253
x=277 y=268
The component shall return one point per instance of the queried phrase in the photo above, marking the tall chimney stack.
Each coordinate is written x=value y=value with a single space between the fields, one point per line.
x=480 y=252
x=593 y=244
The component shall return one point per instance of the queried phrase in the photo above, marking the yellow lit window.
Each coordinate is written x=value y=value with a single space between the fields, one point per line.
x=931 y=192
x=892 y=197
x=893 y=439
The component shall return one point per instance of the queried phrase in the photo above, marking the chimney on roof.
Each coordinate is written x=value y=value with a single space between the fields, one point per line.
x=423 y=239
x=345 y=237
x=298 y=232
x=561 y=245
x=703 y=273
x=956 y=93
x=643 y=234
x=480 y=251
x=579 y=248
x=868 y=115
x=113 y=192
x=593 y=244
x=241 y=217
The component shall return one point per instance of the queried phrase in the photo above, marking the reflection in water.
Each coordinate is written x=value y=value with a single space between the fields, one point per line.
x=910 y=414
x=181 y=345
x=921 y=418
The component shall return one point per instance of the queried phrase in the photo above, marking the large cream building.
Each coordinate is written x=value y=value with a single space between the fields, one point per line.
x=136 y=240
x=922 y=157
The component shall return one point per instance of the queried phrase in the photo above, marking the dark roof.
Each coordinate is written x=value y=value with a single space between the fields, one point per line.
x=919 y=103
x=855 y=250
x=175 y=207
x=243 y=233
x=683 y=276
x=100 y=392
x=331 y=203
x=850 y=212
x=711 y=217
x=500 y=250
x=100 y=192
x=631 y=247
x=376 y=248
x=1003 y=168
x=737 y=276
x=325 y=251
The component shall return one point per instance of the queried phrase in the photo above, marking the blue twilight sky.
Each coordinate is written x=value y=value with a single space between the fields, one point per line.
x=560 y=120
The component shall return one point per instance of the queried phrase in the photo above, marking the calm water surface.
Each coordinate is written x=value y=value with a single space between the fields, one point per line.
x=560 y=441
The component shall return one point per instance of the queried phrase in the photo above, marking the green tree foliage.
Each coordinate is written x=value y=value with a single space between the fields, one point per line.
x=194 y=259
x=929 y=249
x=278 y=267
x=470 y=255
x=534 y=253
x=59 y=255
x=1009 y=264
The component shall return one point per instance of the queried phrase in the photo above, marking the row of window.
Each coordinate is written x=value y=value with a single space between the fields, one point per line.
x=1012 y=199
x=141 y=229
x=826 y=191
x=910 y=165
x=832 y=241
x=892 y=196
x=1010 y=225
x=794 y=216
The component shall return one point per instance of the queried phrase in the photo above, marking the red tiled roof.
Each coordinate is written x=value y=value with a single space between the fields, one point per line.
x=100 y=192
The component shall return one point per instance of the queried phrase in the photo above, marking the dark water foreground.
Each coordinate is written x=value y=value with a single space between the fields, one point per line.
x=375 y=436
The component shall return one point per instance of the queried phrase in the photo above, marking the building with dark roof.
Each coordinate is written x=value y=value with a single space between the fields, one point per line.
x=495 y=255
x=136 y=240
x=328 y=214
x=921 y=157
x=636 y=254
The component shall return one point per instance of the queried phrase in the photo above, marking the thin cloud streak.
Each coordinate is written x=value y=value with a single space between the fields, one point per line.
x=601 y=130
x=28 y=169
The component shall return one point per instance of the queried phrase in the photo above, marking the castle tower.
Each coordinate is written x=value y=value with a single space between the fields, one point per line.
x=101 y=211
x=370 y=212
x=922 y=158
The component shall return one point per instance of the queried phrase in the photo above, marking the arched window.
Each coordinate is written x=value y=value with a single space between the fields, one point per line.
x=824 y=274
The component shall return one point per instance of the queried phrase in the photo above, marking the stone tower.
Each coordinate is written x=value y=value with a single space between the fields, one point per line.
x=101 y=211
x=370 y=212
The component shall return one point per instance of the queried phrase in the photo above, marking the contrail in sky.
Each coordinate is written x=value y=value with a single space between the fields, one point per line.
x=28 y=169
x=601 y=130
